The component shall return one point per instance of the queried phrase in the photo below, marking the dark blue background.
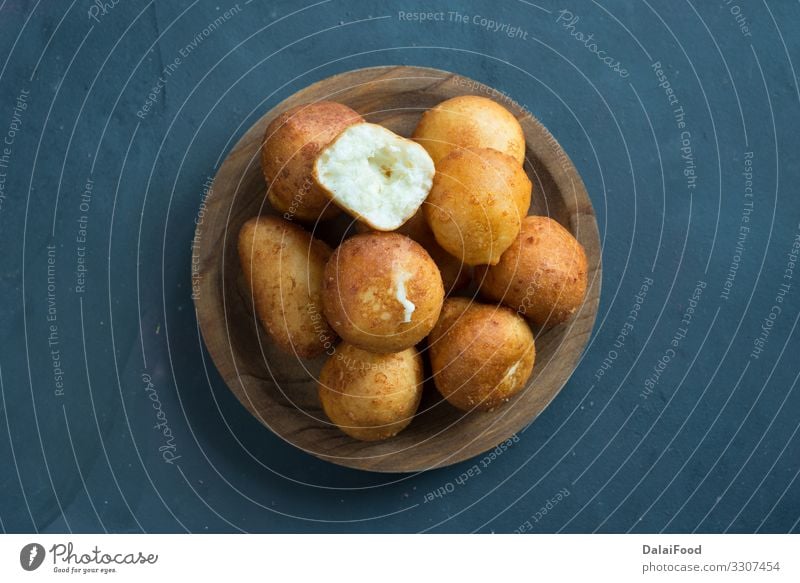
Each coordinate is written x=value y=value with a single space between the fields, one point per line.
x=713 y=449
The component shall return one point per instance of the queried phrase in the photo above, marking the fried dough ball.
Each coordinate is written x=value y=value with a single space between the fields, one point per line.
x=382 y=292
x=481 y=355
x=543 y=275
x=455 y=276
x=371 y=396
x=470 y=121
x=476 y=204
x=291 y=145
x=284 y=265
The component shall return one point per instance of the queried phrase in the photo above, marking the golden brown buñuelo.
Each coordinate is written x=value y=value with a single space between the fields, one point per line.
x=382 y=292
x=291 y=144
x=543 y=274
x=470 y=121
x=455 y=275
x=476 y=203
x=481 y=355
x=371 y=396
x=283 y=266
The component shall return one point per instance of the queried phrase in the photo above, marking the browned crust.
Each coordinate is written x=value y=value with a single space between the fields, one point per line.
x=455 y=275
x=543 y=275
x=291 y=144
x=359 y=298
x=284 y=265
x=370 y=396
x=470 y=121
x=476 y=203
x=473 y=348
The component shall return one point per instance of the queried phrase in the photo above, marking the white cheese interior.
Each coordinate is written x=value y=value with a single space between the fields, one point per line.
x=376 y=174
x=400 y=278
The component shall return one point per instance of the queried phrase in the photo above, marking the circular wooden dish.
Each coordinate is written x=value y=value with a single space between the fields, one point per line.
x=279 y=389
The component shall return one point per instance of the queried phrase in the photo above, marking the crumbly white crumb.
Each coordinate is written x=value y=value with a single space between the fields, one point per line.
x=376 y=174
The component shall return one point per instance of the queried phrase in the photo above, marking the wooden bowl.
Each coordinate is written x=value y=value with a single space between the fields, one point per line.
x=279 y=389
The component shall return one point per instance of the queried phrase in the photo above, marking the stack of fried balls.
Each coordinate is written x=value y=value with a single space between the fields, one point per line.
x=434 y=214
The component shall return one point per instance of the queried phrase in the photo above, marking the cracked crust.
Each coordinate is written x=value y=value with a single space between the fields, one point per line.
x=360 y=298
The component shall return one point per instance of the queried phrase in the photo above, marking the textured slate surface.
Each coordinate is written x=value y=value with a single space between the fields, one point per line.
x=647 y=436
